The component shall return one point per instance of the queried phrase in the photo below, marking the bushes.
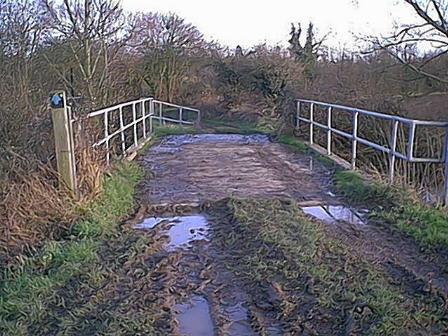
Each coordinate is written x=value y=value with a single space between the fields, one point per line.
x=263 y=81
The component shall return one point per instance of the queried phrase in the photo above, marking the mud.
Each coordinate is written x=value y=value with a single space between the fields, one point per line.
x=394 y=251
x=208 y=299
x=193 y=169
x=196 y=168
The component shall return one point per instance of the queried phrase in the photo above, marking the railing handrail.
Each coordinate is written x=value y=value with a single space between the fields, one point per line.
x=378 y=114
x=391 y=149
x=143 y=119
x=137 y=101
x=177 y=106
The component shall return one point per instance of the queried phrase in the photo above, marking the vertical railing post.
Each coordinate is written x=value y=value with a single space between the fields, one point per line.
x=312 y=124
x=134 y=118
x=329 y=133
x=354 y=138
x=445 y=187
x=199 y=116
x=410 y=149
x=181 y=111
x=160 y=114
x=64 y=144
x=123 y=139
x=151 y=113
x=298 y=115
x=143 y=117
x=393 y=149
x=106 y=135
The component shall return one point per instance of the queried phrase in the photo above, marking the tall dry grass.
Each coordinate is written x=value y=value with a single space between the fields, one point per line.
x=34 y=209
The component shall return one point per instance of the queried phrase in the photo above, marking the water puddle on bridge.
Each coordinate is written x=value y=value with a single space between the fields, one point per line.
x=335 y=213
x=181 y=230
x=173 y=141
x=194 y=317
x=238 y=320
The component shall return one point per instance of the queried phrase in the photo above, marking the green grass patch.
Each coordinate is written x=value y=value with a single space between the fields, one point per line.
x=292 y=141
x=161 y=131
x=394 y=205
x=357 y=190
x=26 y=286
x=299 y=146
x=229 y=126
x=321 y=286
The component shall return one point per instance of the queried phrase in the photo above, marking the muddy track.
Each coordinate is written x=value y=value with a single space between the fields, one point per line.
x=238 y=236
x=198 y=168
x=190 y=172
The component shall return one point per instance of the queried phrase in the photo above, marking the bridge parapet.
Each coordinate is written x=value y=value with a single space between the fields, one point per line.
x=353 y=135
x=131 y=123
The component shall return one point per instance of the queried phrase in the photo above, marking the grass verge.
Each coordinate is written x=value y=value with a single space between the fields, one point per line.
x=299 y=146
x=224 y=126
x=425 y=223
x=313 y=284
x=27 y=286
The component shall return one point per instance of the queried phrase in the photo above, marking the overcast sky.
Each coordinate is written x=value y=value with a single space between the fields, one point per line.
x=250 y=22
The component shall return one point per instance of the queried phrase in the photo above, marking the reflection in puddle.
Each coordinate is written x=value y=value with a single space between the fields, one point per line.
x=311 y=163
x=182 y=230
x=237 y=315
x=165 y=149
x=183 y=139
x=334 y=213
x=194 y=317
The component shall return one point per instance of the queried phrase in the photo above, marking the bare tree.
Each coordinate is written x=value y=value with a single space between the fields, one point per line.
x=166 y=42
x=95 y=31
x=167 y=31
x=22 y=31
x=422 y=46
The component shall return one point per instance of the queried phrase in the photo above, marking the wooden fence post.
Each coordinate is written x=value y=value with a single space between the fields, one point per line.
x=63 y=139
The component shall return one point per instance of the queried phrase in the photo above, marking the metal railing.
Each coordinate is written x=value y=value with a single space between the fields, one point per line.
x=140 y=114
x=390 y=150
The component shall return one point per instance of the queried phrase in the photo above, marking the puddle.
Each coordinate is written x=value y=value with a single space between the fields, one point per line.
x=165 y=149
x=311 y=164
x=182 y=231
x=178 y=140
x=236 y=314
x=194 y=317
x=334 y=213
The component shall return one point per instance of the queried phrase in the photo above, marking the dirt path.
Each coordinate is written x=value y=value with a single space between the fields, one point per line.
x=198 y=168
x=191 y=172
x=237 y=236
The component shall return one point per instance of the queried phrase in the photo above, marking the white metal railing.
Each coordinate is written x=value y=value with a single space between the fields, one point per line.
x=149 y=109
x=391 y=150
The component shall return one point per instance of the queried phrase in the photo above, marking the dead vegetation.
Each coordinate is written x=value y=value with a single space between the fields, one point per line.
x=34 y=209
x=102 y=55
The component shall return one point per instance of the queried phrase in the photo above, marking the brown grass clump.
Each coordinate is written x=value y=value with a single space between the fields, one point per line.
x=34 y=209
x=90 y=166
